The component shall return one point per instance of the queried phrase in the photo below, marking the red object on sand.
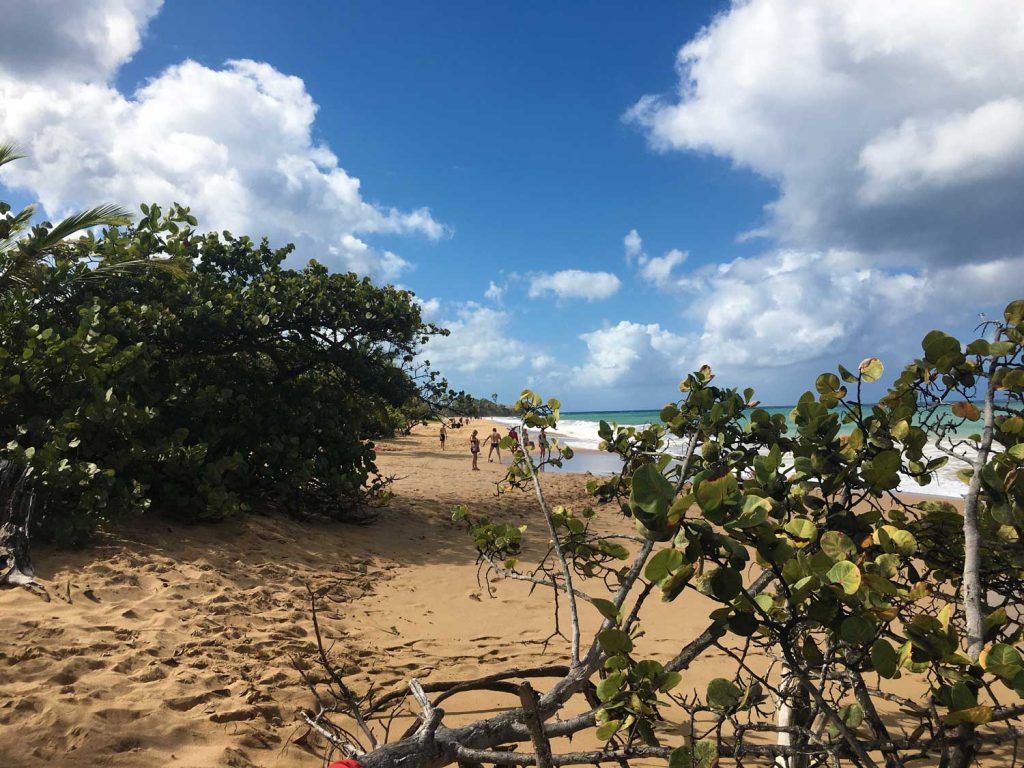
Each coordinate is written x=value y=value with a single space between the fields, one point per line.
x=345 y=764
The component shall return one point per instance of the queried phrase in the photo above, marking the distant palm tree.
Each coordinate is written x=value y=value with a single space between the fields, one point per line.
x=494 y=397
x=23 y=252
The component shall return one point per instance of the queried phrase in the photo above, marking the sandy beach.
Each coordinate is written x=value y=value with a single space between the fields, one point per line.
x=178 y=646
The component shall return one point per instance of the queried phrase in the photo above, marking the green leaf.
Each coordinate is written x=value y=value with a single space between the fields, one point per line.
x=837 y=545
x=681 y=757
x=802 y=531
x=674 y=585
x=615 y=641
x=845 y=575
x=882 y=470
x=668 y=681
x=607 y=609
x=852 y=715
x=938 y=344
x=723 y=694
x=962 y=697
x=1014 y=312
x=705 y=753
x=743 y=624
x=663 y=564
x=609 y=729
x=609 y=688
x=883 y=658
x=651 y=492
x=712 y=493
x=726 y=583
x=871 y=369
x=1002 y=660
x=755 y=511
x=975 y=715
x=893 y=539
x=856 y=630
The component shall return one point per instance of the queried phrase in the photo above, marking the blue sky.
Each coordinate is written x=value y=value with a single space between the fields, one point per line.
x=804 y=185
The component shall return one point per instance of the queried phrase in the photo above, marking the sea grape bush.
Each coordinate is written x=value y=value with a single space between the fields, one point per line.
x=826 y=583
x=209 y=381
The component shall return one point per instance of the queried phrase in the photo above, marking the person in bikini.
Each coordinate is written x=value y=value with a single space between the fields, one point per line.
x=493 y=439
x=474 y=448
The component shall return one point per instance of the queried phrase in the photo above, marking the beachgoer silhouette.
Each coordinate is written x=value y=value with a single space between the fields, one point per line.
x=443 y=434
x=474 y=448
x=494 y=439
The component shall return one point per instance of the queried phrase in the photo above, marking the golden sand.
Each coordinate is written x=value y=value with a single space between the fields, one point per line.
x=171 y=645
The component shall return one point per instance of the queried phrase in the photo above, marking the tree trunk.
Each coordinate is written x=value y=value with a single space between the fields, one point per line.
x=15 y=557
x=961 y=754
x=791 y=711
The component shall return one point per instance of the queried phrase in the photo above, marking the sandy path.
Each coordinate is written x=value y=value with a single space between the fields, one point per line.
x=176 y=646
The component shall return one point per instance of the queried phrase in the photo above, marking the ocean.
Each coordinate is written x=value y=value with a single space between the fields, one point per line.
x=578 y=429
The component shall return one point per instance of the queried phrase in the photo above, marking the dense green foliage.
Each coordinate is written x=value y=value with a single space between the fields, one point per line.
x=210 y=381
x=824 y=583
x=467 y=405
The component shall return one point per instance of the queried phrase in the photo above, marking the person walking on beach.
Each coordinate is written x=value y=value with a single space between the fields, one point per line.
x=494 y=439
x=474 y=448
x=542 y=443
x=512 y=433
x=443 y=434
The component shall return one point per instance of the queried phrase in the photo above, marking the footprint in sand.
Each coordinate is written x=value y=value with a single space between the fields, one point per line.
x=185 y=703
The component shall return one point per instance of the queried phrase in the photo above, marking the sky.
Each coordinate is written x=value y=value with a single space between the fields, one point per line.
x=594 y=198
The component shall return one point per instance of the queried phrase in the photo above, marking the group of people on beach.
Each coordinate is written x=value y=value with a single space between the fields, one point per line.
x=494 y=443
x=458 y=423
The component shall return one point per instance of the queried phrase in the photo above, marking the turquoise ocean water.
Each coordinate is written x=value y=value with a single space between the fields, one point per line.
x=579 y=430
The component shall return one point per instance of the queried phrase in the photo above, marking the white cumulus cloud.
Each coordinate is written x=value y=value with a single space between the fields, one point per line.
x=630 y=354
x=574 y=284
x=235 y=143
x=659 y=270
x=479 y=342
x=494 y=292
x=891 y=128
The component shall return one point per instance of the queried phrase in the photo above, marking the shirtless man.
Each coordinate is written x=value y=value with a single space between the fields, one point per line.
x=494 y=438
x=443 y=434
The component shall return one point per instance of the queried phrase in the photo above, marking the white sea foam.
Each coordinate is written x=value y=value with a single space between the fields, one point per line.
x=581 y=433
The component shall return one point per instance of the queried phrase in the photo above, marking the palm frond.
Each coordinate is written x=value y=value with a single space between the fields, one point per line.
x=101 y=216
x=21 y=219
x=171 y=267
x=9 y=152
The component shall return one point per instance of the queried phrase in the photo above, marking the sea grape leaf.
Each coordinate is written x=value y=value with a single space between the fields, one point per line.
x=607 y=609
x=966 y=410
x=723 y=694
x=856 y=630
x=726 y=583
x=609 y=688
x=845 y=575
x=884 y=659
x=615 y=641
x=802 y=531
x=978 y=715
x=1002 y=660
x=871 y=369
x=651 y=492
x=837 y=545
x=663 y=564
